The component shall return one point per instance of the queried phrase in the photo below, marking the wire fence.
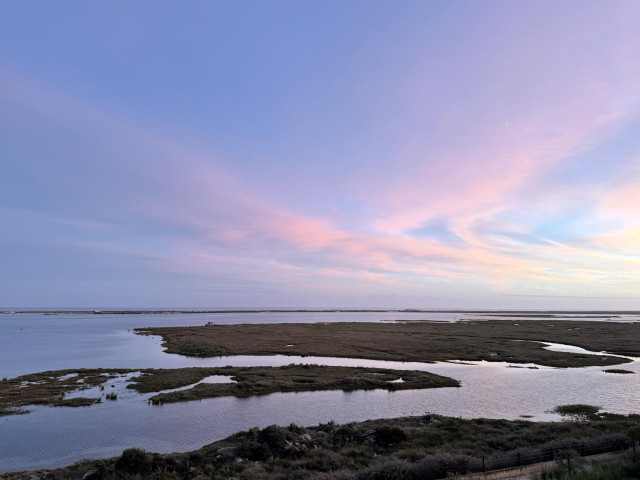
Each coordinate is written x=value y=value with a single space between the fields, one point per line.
x=566 y=450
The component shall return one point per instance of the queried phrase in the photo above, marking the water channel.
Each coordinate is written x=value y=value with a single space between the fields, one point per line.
x=53 y=437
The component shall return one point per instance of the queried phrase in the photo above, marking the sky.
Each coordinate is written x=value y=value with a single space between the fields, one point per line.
x=320 y=154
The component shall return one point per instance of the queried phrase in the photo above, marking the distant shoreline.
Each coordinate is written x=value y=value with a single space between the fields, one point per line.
x=519 y=313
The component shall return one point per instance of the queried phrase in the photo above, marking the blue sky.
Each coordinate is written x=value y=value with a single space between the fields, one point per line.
x=317 y=154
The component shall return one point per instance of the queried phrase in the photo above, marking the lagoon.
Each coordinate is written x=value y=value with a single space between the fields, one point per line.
x=52 y=437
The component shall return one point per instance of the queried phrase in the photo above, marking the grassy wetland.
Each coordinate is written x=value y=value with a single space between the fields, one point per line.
x=428 y=446
x=50 y=388
x=251 y=381
x=491 y=340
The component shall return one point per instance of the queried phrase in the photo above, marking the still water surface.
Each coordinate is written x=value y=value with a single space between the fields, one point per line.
x=52 y=437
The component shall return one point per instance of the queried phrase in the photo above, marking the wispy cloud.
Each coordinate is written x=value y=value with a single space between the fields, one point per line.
x=479 y=185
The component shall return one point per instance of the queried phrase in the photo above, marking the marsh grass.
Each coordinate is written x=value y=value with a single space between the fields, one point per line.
x=251 y=381
x=497 y=340
x=50 y=388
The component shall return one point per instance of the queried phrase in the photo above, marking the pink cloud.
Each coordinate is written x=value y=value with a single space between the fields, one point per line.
x=224 y=226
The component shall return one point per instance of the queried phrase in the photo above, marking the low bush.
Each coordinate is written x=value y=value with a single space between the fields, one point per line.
x=134 y=461
x=387 y=435
x=578 y=411
x=392 y=470
x=439 y=466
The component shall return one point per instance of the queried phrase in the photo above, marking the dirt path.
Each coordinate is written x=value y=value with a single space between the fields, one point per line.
x=527 y=471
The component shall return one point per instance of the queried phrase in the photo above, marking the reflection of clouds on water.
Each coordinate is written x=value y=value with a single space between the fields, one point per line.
x=559 y=347
x=489 y=389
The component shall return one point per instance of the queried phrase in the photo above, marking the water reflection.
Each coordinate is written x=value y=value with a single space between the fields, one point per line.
x=53 y=437
x=489 y=389
x=34 y=342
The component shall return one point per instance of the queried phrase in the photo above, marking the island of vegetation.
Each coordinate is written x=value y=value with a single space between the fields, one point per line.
x=425 y=447
x=53 y=387
x=492 y=340
x=250 y=381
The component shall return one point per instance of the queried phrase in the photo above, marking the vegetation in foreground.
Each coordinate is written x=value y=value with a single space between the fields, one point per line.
x=52 y=387
x=571 y=468
x=496 y=340
x=426 y=447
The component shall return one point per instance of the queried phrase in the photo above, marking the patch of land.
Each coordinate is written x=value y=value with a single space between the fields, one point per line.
x=50 y=388
x=578 y=411
x=619 y=371
x=250 y=381
x=491 y=340
x=411 y=448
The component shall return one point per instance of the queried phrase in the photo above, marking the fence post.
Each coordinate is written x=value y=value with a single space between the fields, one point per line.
x=482 y=464
x=518 y=458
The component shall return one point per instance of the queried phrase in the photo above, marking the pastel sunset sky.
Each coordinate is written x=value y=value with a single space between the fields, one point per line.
x=320 y=153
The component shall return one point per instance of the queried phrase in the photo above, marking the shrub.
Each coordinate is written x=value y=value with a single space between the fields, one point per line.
x=337 y=475
x=569 y=460
x=439 y=466
x=578 y=411
x=319 y=461
x=253 y=450
x=278 y=439
x=393 y=470
x=296 y=428
x=634 y=434
x=327 y=427
x=134 y=461
x=387 y=435
x=345 y=434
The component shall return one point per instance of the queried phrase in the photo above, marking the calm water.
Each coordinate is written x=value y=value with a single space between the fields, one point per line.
x=51 y=437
